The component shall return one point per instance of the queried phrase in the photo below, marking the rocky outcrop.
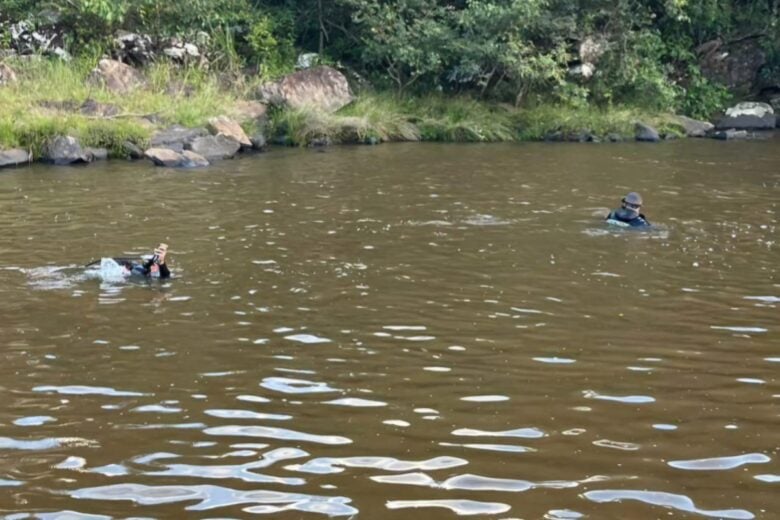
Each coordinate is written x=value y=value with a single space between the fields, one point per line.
x=735 y=64
x=729 y=135
x=251 y=111
x=172 y=159
x=215 y=147
x=7 y=75
x=134 y=49
x=694 y=127
x=646 y=133
x=132 y=150
x=177 y=137
x=64 y=150
x=748 y=116
x=116 y=77
x=225 y=126
x=323 y=88
x=26 y=40
x=14 y=157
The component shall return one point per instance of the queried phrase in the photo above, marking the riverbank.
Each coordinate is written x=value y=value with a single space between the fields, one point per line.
x=43 y=100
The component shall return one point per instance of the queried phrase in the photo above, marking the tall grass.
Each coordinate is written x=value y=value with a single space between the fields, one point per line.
x=45 y=102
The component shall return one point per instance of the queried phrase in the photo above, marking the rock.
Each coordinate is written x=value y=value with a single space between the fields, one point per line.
x=258 y=141
x=735 y=65
x=90 y=107
x=193 y=160
x=133 y=48
x=323 y=87
x=251 y=111
x=694 y=127
x=14 y=157
x=7 y=74
x=176 y=137
x=585 y=70
x=215 y=147
x=65 y=150
x=307 y=60
x=728 y=135
x=132 y=150
x=320 y=142
x=98 y=154
x=116 y=76
x=26 y=40
x=164 y=157
x=181 y=52
x=646 y=133
x=615 y=138
x=225 y=126
x=749 y=115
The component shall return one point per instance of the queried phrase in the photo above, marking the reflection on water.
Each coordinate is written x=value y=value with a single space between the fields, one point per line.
x=397 y=331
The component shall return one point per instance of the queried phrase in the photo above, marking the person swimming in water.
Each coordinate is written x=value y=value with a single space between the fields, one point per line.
x=628 y=215
x=151 y=267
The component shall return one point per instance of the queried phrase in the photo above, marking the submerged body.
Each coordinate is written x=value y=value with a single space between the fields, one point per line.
x=152 y=267
x=620 y=217
x=628 y=215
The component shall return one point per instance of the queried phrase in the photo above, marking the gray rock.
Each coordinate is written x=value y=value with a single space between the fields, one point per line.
x=65 y=150
x=748 y=116
x=14 y=157
x=694 y=127
x=734 y=64
x=258 y=142
x=98 y=154
x=191 y=159
x=132 y=150
x=215 y=147
x=323 y=88
x=223 y=125
x=164 y=157
x=646 y=133
x=116 y=77
x=133 y=48
x=615 y=138
x=177 y=137
x=728 y=135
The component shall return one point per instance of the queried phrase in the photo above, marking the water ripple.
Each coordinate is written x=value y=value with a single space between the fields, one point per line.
x=212 y=497
x=329 y=465
x=720 y=463
x=459 y=507
x=87 y=390
x=246 y=414
x=628 y=399
x=662 y=499
x=525 y=433
x=296 y=386
x=277 y=433
x=356 y=402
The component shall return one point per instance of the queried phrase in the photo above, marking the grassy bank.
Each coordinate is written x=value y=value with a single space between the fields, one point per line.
x=46 y=101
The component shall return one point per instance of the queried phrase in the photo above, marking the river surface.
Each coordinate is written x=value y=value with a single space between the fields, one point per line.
x=401 y=331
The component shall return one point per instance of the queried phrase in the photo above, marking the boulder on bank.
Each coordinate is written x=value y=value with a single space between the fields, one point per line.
x=7 y=74
x=116 y=76
x=734 y=64
x=215 y=147
x=251 y=111
x=177 y=137
x=14 y=157
x=646 y=133
x=748 y=116
x=133 y=48
x=694 y=127
x=729 y=135
x=132 y=150
x=323 y=87
x=172 y=159
x=223 y=125
x=63 y=150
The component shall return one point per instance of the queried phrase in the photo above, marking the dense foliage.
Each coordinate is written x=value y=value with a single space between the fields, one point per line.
x=644 y=52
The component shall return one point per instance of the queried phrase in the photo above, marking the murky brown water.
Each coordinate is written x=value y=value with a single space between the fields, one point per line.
x=397 y=332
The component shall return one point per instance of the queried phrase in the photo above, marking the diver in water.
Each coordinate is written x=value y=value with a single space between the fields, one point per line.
x=152 y=267
x=628 y=214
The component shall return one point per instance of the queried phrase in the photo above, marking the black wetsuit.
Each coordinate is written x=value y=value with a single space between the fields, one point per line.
x=624 y=218
x=143 y=269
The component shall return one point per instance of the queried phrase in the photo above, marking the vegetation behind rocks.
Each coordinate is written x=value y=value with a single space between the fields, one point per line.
x=476 y=70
